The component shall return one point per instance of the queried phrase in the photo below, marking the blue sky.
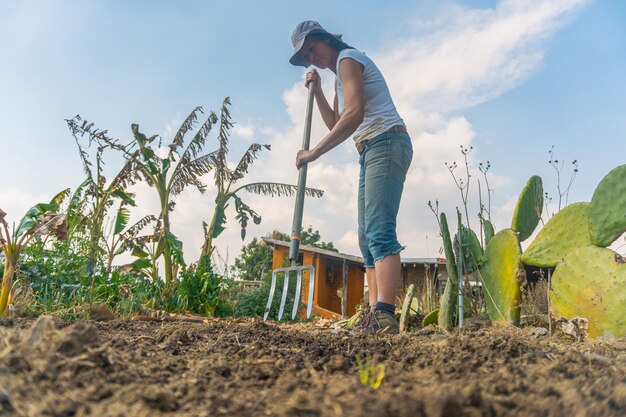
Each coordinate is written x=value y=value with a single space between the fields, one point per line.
x=510 y=78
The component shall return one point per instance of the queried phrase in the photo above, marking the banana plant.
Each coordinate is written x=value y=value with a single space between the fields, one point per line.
x=123 y=238
x=41 y=220
x=146 y=249
x=95 y=195
x=170 y=175
x=226 y=183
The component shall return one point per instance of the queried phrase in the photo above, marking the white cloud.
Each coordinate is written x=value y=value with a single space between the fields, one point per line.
x=243 y=131
x=475 y=56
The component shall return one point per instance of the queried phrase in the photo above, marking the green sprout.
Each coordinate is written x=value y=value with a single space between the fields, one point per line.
x=369 y=373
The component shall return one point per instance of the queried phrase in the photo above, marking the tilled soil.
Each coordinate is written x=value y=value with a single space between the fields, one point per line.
x=235 y=367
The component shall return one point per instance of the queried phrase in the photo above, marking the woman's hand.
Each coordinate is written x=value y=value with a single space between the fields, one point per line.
x=313 y=75
x=304 y=157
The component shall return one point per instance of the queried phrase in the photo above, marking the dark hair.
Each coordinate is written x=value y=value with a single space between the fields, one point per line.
x=335 y=42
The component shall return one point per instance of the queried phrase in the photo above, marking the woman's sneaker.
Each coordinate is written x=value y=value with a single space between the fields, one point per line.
x=382 y=322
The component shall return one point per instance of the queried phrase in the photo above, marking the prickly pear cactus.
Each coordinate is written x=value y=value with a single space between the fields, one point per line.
x=489 y=231
x=529 y=207
x=501 y=275
x=472 y=251
x=566 y=230
x=591 y=283
x=448 y=301
x=607 y=213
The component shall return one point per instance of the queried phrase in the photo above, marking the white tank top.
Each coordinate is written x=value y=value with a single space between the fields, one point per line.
x=380 y=112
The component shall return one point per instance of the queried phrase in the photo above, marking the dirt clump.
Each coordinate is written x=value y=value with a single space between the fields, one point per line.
x=237 y=367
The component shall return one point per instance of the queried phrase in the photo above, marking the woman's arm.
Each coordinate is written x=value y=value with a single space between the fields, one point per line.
x=328 y=114
x=351 y=73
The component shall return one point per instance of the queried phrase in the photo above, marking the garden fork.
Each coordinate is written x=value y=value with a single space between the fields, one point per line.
x=295 y=235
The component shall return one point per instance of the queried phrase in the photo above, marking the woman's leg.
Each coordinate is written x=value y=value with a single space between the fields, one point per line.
x=368 y=260
x=387 y=276
x=384 y=168
x=372 y=285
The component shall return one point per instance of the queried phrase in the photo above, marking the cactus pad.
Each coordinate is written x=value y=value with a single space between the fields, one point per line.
x=472 y=251
x=431 y=318
x=501 y=273
x=489 y=231
x=591 y=283
x=607 y=213
x=566 y=230
x=448 y=301
x=406 y=307
x=528 y=209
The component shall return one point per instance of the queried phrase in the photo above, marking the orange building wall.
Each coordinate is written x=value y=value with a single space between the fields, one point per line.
x=325 y=300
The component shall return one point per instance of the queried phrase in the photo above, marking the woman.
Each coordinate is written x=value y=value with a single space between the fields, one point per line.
x=363 y=108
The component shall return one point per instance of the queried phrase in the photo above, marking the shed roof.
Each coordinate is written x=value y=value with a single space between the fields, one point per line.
x=328 y=253
x=352 y=258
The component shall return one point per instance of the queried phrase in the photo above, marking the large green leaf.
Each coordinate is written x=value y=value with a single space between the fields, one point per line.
x=176 y=247
x=165 y=165
x=124 y=196
x=142 y=263
x=219 y=223
x=25 y=226
x=121 y=220
x=60 y=197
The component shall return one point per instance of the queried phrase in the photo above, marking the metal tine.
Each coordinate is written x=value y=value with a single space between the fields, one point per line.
x=283 y=299
x=272 y=290
x=309 y=307
x=296 y=300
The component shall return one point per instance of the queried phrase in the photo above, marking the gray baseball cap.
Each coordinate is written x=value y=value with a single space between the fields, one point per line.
x=299 y=35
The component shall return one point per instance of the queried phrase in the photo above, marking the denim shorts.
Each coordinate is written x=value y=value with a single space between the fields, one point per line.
x=383 y=167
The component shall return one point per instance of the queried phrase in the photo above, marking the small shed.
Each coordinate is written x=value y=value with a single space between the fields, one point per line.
x=334 y=271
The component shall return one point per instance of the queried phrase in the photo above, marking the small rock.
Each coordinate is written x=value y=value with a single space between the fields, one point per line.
x=428 y=330
x=596 y=359
x=101 y=312
x=472 y=324
x=538 y=332
x=160 y=399
x=43 y=326
x=337 y=363
x=77 y=339
x=445 y=406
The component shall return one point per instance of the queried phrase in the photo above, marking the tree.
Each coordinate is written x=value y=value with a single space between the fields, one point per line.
x=256 y=257
x=254 y=261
